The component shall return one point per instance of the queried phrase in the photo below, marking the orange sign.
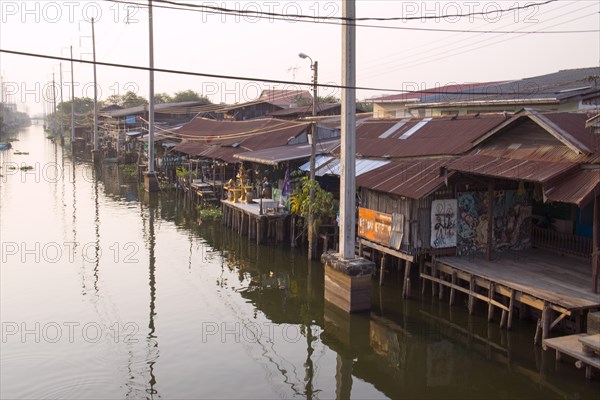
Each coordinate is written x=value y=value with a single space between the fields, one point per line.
x=374 y=226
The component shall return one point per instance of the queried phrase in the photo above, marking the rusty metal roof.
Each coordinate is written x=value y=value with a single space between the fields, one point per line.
x=414 y=179
x=275 y=155
x=416 y=137
x=576 y=188
x=509 y=168
x=223 y=139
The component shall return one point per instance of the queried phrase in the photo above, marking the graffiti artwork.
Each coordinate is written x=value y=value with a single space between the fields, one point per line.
x=511 y=222
x=443 y=223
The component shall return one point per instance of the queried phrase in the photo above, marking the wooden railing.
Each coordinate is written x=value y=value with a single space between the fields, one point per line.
x=559 y=242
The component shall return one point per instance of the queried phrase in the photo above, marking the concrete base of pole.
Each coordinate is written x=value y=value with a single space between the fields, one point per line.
x=348 y=282
x=150 y=182
x=96 y=157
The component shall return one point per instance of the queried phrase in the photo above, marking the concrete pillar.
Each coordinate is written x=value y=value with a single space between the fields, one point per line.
x=348 y=139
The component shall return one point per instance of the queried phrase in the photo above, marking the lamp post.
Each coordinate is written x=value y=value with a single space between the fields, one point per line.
x=314 y=65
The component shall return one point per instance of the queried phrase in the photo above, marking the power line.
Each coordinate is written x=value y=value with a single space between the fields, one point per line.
x=244 y=78
x=273 y=14
x=315 y=20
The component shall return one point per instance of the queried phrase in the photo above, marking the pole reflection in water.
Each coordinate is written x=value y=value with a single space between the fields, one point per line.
x=152 y=339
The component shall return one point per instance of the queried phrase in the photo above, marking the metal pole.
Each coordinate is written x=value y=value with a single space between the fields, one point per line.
x=72 y=102
x=53 y=104
x=313 y=155
x=348 y=139
x=62 y=110
x=96 y=139
x=151 y=99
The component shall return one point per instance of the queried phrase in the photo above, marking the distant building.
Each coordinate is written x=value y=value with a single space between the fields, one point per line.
x=268 y=102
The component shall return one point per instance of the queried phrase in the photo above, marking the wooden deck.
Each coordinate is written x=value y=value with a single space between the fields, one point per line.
x=572 y=346
x=543 y=281
x=563 y=281
x=246 y=219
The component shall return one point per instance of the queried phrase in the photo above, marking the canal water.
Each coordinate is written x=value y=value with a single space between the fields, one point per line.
x=109 y=293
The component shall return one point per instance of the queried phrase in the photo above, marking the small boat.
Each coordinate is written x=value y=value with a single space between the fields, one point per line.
x=5 y=145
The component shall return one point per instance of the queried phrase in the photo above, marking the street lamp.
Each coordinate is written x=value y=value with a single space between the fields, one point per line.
x=314 y=65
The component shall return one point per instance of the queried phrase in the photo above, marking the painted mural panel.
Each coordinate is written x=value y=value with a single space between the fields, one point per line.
x=443 y=223
x=511 y=221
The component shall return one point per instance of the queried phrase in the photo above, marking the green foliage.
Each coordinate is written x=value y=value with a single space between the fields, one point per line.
x=323 y=207
x=129 y=171
x=209 y=213
x=190 y=95
x=161 y=98
x=183 y=173
x=127 y=100
x=81 y=105
x=328 y=99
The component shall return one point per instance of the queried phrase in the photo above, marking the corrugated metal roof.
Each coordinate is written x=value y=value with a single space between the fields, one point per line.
x=448 y=90
x=577 y=188
x=414 y=179
x=304 y=110
x=275 y=155
x=223 y=139
x=508 y=168
x=556 y=86
x=331 y=166
x=440 y=136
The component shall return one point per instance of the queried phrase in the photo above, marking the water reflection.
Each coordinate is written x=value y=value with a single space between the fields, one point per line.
x=292 y=344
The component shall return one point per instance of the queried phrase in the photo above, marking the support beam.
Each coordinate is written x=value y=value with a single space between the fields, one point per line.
x=381 y=269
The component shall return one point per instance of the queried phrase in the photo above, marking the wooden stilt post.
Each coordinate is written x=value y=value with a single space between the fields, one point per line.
x=546 y=319
x=471 y=304
x=406 y=287
x=492 y=290
x=441 y=286
x=381 y=269
x=258 y=233
x=421 y=271
x=452 y=290
x=511 y=306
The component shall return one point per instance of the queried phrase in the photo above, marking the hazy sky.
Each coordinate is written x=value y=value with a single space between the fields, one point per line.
x=268 y=48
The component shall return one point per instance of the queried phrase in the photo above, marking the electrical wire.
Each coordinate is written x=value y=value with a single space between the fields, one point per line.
x=315 y=20
x=241 y=78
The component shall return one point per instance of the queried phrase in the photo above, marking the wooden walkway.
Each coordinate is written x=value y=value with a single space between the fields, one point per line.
x=575 y=346
x=543 y=281
x=246 y=219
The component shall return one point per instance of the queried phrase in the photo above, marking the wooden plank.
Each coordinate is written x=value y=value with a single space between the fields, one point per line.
x=387 y=250
x=467 y=291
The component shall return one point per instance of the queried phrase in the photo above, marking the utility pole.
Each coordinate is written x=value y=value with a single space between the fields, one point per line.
x=150 y=182
x=96 y=151
x=53 y=104
x=72 y=103
x=344 y=270
x=314 y=66
x=62 y=110
x=348 y=139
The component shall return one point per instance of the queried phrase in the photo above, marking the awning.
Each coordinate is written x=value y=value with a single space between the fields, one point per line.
x=577 y=188
x=509 y=168
x=414 y=179
x=276 y=155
